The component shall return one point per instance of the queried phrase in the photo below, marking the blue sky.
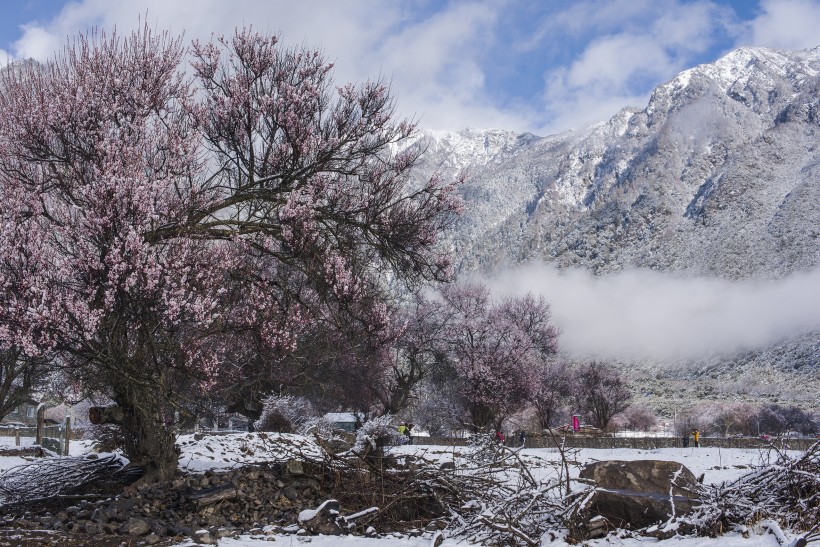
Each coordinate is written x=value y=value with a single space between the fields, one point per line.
x=540 y=65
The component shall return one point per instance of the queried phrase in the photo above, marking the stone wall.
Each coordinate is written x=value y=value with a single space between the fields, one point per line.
x=639 y=443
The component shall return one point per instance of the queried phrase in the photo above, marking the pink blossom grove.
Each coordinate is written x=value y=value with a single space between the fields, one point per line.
x=493 y=352
x=152 y=219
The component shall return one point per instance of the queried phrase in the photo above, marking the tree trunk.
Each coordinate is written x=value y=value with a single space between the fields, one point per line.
x=149 y=441
x=482 y=417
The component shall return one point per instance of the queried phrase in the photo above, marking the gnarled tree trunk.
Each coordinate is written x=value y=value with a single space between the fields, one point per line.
x=149 y=441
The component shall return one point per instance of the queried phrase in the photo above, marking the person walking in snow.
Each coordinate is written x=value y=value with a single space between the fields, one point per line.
x=696 y=437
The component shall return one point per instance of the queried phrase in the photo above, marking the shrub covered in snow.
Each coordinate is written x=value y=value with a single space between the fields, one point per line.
x=375 y=434
x=319 y=426
x=285 y=414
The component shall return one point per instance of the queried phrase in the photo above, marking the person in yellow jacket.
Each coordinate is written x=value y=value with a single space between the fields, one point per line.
x=696 y=436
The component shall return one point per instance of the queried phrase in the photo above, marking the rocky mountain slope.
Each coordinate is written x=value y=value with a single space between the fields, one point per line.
x=719 y=175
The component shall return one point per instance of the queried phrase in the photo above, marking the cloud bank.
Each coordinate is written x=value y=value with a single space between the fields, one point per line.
x=647 y=314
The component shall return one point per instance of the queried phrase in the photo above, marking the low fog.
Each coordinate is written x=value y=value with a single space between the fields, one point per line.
x=647 y=314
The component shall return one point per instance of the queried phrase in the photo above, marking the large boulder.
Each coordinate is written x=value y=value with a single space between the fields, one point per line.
x=637 y=494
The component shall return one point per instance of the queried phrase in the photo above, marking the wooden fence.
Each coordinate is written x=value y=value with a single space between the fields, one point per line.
x=54 y=437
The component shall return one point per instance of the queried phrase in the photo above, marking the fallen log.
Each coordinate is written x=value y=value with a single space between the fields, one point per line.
x=209 y=496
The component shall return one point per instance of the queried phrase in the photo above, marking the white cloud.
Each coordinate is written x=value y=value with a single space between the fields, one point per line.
x=786 y=24
x=432 y=61
x=663 y=316
x=5 y=58
x=435 y=65
x=654 y=41
x=36 y=43
x=613 y=62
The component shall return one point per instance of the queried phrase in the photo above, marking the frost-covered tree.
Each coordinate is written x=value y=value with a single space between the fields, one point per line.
x=412 y=359
x=776 y=420
x=635 y=418
x=151 y=225
x=600 y=393
x=731 y=418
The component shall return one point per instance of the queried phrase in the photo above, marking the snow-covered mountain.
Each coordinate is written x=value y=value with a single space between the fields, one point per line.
x=719 y=175
x=716 y=175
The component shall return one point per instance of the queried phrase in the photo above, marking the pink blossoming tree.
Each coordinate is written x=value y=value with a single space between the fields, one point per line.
x=150 y=224
x=495 y=352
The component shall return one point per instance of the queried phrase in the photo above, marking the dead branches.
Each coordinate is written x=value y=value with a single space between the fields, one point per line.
x=787 y=492
x=54 y=478
x=487 y=494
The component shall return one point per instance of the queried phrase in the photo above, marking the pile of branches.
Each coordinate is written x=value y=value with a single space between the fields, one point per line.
x=507 y=505
x=787 y=493
x=56 y=478
x=490 y=497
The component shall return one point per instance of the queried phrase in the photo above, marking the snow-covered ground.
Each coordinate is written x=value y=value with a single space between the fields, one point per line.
x=766 y=540
x=200 y=453
x=225 y=451
x=717 y=465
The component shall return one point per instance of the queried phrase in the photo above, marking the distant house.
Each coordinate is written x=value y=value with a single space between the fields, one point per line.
x=346 y=421
x=26 y=413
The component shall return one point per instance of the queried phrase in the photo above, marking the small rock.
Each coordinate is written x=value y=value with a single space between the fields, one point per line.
x=204 y=537
x=225 y=532
x=152 y=539
x=135 y=527
x=99 y=515
x=295 y=467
